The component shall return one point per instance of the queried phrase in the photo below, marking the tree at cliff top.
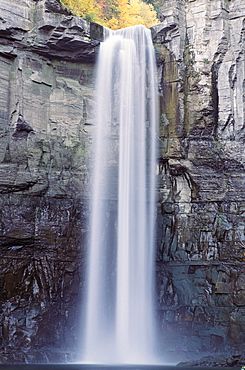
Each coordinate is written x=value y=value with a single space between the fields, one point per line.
x=114 y=14
x=82 y=8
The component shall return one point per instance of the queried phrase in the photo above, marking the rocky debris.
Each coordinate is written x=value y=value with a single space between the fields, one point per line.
x=237 y=360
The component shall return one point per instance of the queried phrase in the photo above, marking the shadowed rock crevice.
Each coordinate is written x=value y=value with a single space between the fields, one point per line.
x=22 y=129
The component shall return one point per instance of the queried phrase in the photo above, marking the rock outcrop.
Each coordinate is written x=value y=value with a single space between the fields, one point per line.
x=46 y=98
x=201 y=237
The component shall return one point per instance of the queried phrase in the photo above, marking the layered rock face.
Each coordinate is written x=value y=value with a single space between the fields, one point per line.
x=46 y=98
x=201 y=222
x=46 y=114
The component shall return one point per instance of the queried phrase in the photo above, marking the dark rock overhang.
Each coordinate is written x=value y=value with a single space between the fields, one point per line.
x=48 y=28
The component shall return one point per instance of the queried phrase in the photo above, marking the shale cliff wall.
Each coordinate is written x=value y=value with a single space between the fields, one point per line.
x=47 y=61
x=46 y=96
x=201 y=237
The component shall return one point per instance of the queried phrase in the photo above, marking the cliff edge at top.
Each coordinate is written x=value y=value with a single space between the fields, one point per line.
x=46 y=27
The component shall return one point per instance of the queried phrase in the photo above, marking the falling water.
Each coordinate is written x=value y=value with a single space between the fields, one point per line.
x=119 y=324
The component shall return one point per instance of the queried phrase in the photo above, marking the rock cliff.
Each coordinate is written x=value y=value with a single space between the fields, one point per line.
x=47 y=61
x=46 y=98
x=201 y=237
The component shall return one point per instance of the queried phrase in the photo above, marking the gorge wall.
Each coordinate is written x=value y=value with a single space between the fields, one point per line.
x=47 y=61
x=201 y=293
x=46 y=68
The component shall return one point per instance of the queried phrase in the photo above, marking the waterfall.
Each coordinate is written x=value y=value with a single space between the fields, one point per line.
x=119 y=317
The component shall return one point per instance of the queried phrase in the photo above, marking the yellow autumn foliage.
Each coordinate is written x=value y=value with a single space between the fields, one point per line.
x=114 y=14
x=82 y=8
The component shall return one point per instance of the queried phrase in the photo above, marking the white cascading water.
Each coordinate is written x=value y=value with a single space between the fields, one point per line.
x=119 y=318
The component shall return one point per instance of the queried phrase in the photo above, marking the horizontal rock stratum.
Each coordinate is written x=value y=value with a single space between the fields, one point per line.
x=47 y=61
